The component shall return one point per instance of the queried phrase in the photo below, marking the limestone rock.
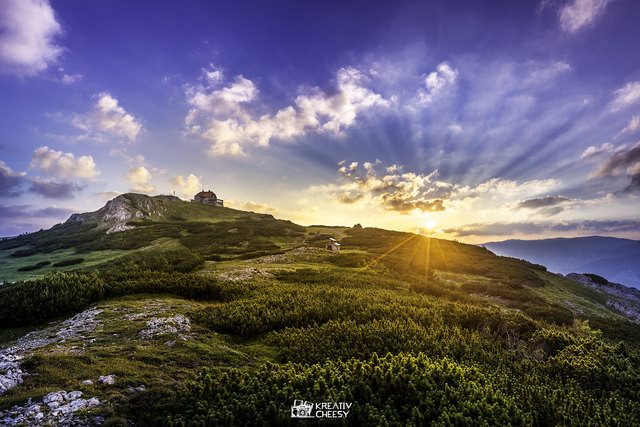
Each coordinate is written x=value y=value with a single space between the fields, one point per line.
x=107 y=379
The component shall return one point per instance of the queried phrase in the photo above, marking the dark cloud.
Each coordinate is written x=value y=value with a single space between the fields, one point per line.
x=16 y=212
x=542 y=202
x=396 y=202
x=18 y=219
x=548 y=212
x=10 y=181
x=506 y=229
x=634 y=185
x=620 y=161
x=11 y=212
x=53 y=212
x=54 y=189
x=348 y=198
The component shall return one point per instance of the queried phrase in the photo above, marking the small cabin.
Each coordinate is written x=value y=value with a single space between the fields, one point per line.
x=333 y=245
x=208 y=198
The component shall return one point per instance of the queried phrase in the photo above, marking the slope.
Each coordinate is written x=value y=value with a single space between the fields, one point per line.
x=229 y=317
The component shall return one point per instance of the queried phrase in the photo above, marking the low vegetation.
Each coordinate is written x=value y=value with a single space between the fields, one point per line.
x=410 y=330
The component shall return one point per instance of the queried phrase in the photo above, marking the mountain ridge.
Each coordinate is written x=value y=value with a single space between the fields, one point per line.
x=610 y=257
x=136 y=229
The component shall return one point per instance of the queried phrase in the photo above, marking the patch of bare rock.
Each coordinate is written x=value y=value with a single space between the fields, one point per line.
x=77 y=326
x=244 y=274
x=56 y=408
x=166 y=325
x=622 y=299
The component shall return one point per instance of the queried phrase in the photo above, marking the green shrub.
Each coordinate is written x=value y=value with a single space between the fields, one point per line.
x=68 y=262
x=58 y=294
x=403 y=389
x=35 y=266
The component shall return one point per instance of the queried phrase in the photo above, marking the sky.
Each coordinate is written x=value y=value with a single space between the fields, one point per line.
x=468 y=120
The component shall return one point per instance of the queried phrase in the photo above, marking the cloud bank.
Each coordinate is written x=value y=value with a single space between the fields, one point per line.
x=505 y=229
x=28 y=36
x=226 y=119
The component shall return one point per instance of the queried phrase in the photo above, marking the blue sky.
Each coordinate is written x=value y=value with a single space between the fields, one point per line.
x=459 y=119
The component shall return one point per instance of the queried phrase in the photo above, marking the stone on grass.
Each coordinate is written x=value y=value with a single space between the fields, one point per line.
x=93 y=402
x=55 y=396
x=107 y=379
x=74 y=395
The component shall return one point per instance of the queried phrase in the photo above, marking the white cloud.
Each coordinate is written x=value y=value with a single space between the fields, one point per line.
x=633 y=125
x=497 y=189
x=69 y=79
x=224 y=116
x=214 y=76
x=455 y=128
x=225 y=101
x=188 y=186
x=593 y=151
x=436 y=82
x=625 y=96
x=63 y=165
x=108 y=116
x=139 y=178
x=578 y=14
x=28 y=32
x=547 y=72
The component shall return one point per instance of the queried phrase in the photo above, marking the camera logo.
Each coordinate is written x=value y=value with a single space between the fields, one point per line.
x=302 y=409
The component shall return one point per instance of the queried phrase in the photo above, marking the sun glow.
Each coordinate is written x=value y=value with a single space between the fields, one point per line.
x=428 y=227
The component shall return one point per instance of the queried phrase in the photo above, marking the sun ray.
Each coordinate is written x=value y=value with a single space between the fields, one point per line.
x=426 y=260
x=388 y=252
x=375 y=260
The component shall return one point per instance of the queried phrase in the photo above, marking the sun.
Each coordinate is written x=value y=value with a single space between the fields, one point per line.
x=427 y=228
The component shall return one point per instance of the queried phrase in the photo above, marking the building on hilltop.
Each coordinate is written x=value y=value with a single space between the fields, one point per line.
x=333 y=245
x=208 y=198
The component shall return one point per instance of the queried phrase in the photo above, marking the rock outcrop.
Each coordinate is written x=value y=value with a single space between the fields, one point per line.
x=621 y=299
x=56 y=408
x=115 y=214
x=77 y=326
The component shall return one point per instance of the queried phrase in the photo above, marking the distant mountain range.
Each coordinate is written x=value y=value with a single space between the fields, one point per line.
x=618 y=260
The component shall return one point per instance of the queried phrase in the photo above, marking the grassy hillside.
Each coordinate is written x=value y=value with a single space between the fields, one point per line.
x=410 y=330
